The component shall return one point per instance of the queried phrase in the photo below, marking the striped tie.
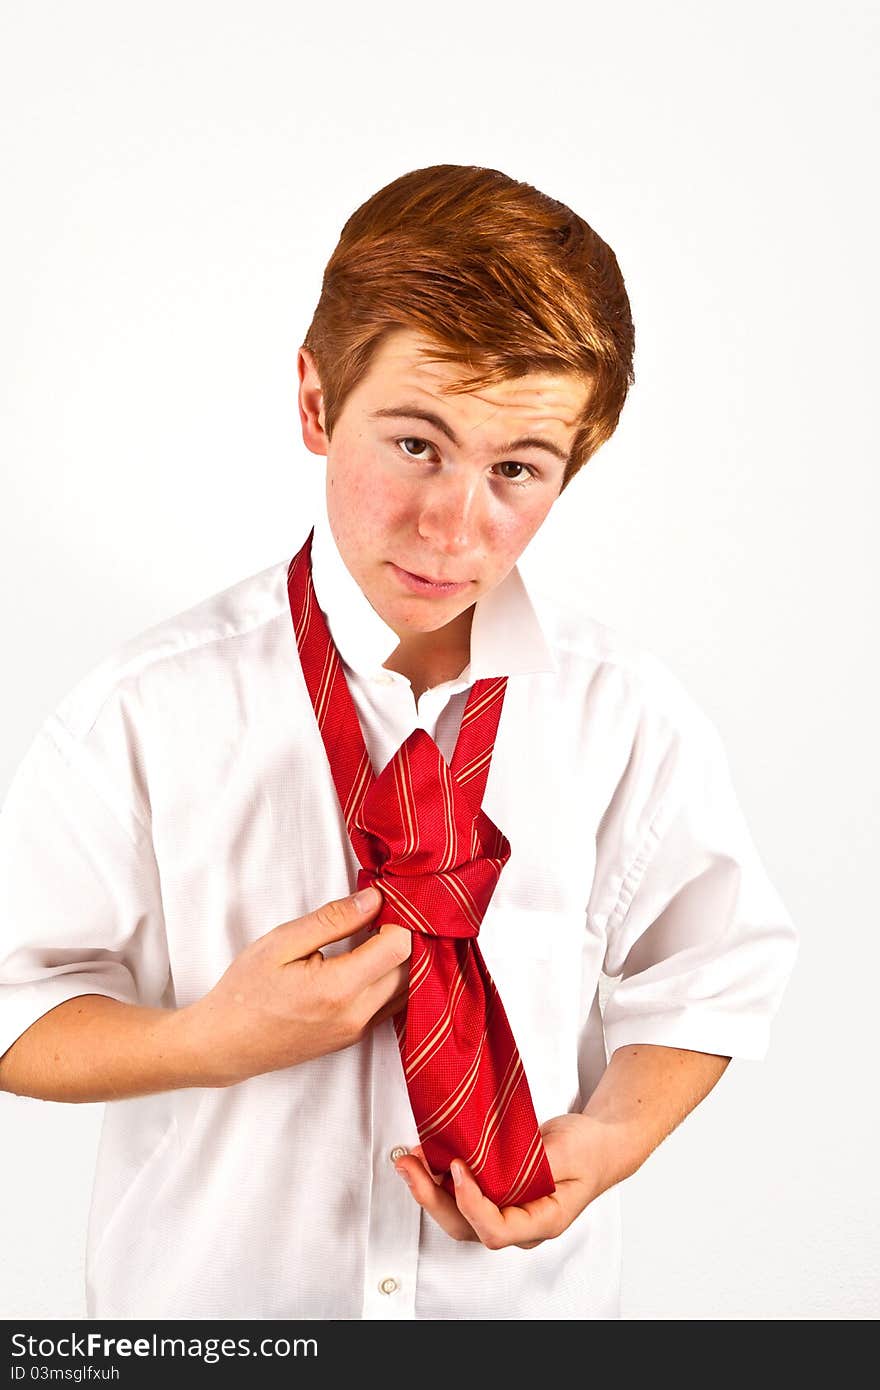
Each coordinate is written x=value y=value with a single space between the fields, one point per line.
x=419 y=832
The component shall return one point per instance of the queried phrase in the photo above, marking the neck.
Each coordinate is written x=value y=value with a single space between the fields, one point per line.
x=430 y=658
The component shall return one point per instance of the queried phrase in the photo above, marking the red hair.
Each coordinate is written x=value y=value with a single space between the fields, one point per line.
x=504 y=279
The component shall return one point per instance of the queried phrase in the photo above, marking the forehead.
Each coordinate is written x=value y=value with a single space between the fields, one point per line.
x=400 y=374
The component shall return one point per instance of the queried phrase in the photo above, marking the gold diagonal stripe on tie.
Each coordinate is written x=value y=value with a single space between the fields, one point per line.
x=325 y=687
x=494 y=1121
x=450 y=854
x=476 y=765
x=438 y=1116
x=420 y=973
x=306 y=615
x=524 y=1176
x=440 y=1028
x=438 y=1034
x=496 y=1112
x=485 y=702
x=452 y=1105
x=358 y=791
x=479 y=706
x=526 y=1169
x=402 y=773
x=405 y=792
x=496 y=865
x=304 y=618
x=413 y=918
x=456 y=890
x=496 y=1117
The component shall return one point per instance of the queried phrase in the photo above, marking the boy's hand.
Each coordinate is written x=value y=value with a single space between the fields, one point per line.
x=573 y=1147
x=280 y=1002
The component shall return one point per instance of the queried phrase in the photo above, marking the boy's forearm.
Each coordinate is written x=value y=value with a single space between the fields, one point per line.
x=93 y=1048
x=643 y=1094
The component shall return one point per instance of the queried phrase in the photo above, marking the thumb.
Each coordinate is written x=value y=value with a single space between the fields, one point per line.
x=332 y=921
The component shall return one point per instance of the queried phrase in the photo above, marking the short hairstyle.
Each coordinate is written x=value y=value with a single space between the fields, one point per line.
x=503 y=278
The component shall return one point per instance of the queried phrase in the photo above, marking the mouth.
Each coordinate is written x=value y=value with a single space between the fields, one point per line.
x=420 y=583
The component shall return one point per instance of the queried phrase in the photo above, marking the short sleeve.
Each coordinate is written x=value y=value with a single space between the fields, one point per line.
x=80 y=899
x=696 y=933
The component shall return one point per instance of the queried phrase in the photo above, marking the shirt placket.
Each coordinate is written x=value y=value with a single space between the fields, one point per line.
x=392 y=1255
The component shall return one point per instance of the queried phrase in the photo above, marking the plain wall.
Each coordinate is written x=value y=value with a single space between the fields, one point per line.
x=175 y=176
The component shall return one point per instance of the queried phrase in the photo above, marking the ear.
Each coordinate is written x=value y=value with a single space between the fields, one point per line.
x=311 y=403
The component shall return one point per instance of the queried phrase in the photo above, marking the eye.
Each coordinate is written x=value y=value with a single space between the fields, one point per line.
x=419 y=452
x=529 y=472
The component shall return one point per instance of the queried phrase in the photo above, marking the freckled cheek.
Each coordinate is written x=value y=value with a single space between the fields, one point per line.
x=358 y=486
x=383 y=504
x=507 y=538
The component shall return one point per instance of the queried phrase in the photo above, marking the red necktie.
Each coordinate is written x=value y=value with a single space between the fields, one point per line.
x=419 y=832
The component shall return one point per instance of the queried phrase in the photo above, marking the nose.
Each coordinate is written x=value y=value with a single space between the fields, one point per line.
x=450 y=514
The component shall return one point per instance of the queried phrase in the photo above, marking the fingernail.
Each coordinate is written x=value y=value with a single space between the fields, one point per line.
x=404 y=1174
x=457 y=1174
x=367 y=898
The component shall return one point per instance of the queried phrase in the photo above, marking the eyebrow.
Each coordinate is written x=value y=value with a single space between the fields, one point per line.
x=412 y=412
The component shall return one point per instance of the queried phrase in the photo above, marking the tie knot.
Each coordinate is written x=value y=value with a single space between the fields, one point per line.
x=417 y=834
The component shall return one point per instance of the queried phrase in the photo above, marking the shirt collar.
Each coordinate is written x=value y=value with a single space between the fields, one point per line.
x=506 y=634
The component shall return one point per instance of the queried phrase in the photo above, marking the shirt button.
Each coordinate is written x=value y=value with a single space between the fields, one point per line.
x=388 y=1286
x=398 y=1152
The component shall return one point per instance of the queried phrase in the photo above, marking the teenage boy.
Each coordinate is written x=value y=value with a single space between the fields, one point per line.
x=405 y=1101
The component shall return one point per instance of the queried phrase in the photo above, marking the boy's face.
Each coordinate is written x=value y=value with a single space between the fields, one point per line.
x=410 y=502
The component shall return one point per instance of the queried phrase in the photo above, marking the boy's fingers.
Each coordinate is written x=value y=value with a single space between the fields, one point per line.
x=392 y=1007
x=332 y=921
x=418 y=1152
x=386 y=950
x=435 y=1200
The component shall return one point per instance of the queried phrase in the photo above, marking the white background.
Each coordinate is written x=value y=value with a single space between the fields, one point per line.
x=174 y=177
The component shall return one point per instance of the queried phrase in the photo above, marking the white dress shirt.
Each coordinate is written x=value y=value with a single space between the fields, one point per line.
x=178 y=804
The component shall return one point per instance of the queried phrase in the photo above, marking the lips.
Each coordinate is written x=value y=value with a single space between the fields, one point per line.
x=429 y=578
x=420 y=583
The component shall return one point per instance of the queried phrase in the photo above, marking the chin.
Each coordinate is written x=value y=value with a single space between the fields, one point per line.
x=407 y=623
x=402 y=620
